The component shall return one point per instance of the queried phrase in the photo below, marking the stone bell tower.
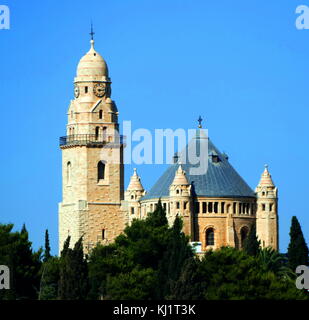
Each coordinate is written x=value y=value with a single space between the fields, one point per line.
x=92 y=159
x=267 y=211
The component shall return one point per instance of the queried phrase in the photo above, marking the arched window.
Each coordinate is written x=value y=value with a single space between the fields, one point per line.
x=100 y=114
x=101 y=170
x=210 y=237
x=243 y=235
x=69 y=173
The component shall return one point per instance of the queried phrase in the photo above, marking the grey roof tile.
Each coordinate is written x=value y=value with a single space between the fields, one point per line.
x=220 y=180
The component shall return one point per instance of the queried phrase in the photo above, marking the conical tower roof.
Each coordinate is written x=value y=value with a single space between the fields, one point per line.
x=220 y=179
x=135 y=182
x=180 y=177
x=266 y=180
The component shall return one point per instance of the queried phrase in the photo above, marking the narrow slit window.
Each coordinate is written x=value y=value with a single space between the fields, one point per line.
x=204 y=207
x=210 y=207
x=97 y=132
x=216 y=207
x=69 y=173
x=101 y=170
x=197 y=207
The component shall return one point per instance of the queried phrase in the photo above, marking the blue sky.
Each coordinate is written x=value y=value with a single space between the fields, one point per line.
x=242 y=65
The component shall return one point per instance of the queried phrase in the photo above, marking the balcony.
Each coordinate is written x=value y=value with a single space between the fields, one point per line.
x=91 y=140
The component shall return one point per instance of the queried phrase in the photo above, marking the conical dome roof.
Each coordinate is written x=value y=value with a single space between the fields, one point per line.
x=135 y=183
x=180 y=177
x=266 y=180
x=220 y=179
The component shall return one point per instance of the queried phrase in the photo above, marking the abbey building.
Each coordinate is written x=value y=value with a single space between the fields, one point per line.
x=218 y=207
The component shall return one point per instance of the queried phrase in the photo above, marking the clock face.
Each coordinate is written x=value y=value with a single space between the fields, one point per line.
x=99 y=89
x=76 y=92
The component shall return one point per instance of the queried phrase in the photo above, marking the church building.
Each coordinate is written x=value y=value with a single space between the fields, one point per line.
x=218 y=207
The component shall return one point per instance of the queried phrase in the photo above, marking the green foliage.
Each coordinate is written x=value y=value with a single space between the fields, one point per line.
x=138 y=284
x=176 y=253
x=73 y=282
x=47 y=247
x=272 y=260
x=151 y=260
x=147 y=247
x=231 y=274
x=49 y=279
x=24 y=264
x=252 y=244
x=298 y=249
x=189 y=285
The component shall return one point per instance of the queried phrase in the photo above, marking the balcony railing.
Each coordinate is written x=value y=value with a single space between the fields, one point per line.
x=90 y=139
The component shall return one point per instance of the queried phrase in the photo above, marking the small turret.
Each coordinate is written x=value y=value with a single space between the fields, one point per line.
x=180 y=191
x=133 y=194
x=267 y=211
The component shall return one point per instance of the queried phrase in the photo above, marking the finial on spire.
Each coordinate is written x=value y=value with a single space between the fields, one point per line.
x=92 y=33
x=200 y=122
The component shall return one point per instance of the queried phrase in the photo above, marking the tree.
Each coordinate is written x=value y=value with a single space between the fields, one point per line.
x=177 y=252
x=47 y=247
x=139 y=284
x=252 y=244
x=297 y=249
x=73 y=282
x=231 y=274
x=272 y=260
x=24 y=264
x=146 y=247
x=49 y=279
x=189 y=285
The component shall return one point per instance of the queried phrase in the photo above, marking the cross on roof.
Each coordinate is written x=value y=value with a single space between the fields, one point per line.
x=91 y=33
x=200 y=122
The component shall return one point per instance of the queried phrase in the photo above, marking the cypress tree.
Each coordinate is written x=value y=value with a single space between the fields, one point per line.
x=73 y=284
x=177 y=251
x=298 y=249
x=158 y=218
x=47 y=247
x=252 y=244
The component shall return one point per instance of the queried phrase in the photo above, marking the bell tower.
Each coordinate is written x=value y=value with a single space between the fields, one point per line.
x=92 y=159
x=267 y=211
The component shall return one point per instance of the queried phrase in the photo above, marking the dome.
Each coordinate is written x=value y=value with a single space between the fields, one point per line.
x=92 y=64
x=221 y=179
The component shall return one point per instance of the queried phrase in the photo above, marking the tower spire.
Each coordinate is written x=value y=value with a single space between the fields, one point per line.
x=91 y=32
